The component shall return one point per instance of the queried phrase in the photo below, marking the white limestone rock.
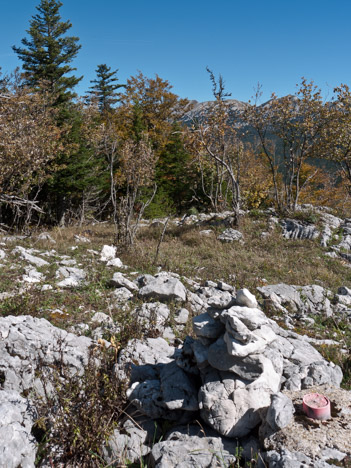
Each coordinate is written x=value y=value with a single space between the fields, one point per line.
x=108 y=252
x=206 y=327
x=181 y=316
x=230 y=235
x=26 y=255
x=152 y=315
x=119 y=281
x=116 y=262
x=25 y=340
x=81 y=239
x=32 y=276
x=245 y=299
x=45 y=236
x=17 y=445
x=122 y=295
x=73 y=277
x=164 y=288
x=186 y=451
x=231 y=406
x=221 y=300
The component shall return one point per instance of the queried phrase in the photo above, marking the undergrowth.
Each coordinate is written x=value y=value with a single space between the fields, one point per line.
x=77 y=413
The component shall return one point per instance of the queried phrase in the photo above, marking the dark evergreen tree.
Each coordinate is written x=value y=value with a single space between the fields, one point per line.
x=105 y=87
x=173 y=173
x=47 y=52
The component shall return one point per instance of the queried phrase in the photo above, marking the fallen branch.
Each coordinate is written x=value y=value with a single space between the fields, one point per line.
x=17 y=201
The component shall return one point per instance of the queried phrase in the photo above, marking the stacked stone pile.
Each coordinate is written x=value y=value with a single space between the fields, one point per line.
x=229 y=372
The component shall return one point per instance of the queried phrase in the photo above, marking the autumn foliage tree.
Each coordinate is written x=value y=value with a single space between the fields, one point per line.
x=289 y=132
x=148 y=107
x=29 y=144
x=337 y=135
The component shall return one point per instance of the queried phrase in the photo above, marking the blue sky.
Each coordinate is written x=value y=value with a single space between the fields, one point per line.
x=274 y=42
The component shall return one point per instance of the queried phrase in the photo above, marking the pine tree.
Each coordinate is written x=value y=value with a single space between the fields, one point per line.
x=47 y=52
x=173 y=175
x=105 y=87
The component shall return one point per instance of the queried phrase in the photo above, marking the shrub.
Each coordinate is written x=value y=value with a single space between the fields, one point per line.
x=76 y=414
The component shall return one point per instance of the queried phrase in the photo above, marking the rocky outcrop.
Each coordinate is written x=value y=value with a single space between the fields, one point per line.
x=163 y=287
x=130 y=442
x=299 y=300
x=239 y=371
x=17 y=445
x=27 y=255
x=27 y=343
x=294 y=229
x=330 y=223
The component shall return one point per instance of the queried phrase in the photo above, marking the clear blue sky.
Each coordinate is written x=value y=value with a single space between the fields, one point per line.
x=274 y=42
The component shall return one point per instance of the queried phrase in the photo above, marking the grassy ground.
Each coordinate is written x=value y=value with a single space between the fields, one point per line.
x=252 y=263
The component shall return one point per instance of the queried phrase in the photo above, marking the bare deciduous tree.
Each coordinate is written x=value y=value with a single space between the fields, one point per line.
x=219 y=152
x=296 y=123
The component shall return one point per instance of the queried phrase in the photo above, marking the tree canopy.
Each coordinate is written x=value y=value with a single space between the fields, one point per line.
x=105 y=88
x=48 y=52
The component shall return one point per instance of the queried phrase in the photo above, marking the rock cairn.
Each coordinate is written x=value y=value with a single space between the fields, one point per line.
x=228 y=373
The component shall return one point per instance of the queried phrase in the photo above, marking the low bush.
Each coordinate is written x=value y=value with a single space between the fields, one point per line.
x=76 y=414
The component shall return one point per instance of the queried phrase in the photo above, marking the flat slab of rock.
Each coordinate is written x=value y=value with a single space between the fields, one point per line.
x=149 y=351
x=186 y=451
x=221 y=300
x=207 y=327
x=164 y=288
x=26 y=255
x=301 y=299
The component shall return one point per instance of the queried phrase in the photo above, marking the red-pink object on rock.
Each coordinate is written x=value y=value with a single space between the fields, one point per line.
x=316 y=406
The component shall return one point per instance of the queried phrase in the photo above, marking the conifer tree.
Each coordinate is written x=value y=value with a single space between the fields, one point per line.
x=105 y=87
x=47 y=52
